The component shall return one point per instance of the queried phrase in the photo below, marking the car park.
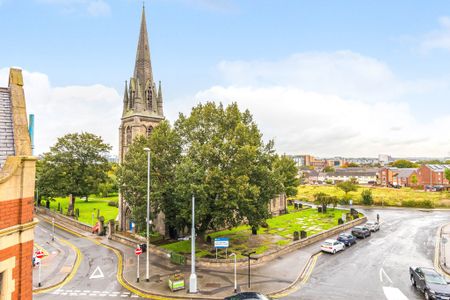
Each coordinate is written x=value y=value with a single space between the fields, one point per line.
x=361 y=232
x=347 y=239
x=372 y=226
x=332 y=246
x=248 y=296
x=432 y=284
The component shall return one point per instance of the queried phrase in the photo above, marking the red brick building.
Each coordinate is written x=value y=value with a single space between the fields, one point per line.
x=432 y=175
x=17 y=173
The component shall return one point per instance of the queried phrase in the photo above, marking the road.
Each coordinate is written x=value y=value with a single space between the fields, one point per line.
x=96 y=275
x=377 y=267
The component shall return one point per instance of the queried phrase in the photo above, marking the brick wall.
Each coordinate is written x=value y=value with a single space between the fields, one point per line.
x=15 y=212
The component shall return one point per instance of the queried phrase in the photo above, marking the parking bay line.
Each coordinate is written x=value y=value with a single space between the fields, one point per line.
x=393 y=293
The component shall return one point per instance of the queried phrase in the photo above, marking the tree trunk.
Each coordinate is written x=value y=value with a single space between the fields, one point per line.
x=72 y=205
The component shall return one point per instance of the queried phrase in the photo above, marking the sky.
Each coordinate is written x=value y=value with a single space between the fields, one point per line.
x=327 y=78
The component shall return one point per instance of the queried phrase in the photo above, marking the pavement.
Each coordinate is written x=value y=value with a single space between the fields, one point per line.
x=57 y=263
x=444 y=248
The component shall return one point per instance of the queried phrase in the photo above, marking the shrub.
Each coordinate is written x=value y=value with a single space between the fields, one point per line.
x=366 y=197
x=113 y=203
x=418 y=203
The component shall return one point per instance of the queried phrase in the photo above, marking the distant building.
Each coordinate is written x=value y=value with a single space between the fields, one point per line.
x=17 y=173
x=362 y=176
x=391 y=176
x=432 y=175
x=384 y=159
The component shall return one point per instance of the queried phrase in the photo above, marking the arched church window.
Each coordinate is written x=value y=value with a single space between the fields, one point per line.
x=128 y=139
x=149 y=99
x=149 y=130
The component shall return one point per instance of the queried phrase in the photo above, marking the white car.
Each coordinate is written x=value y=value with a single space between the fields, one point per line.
x=332 y=246
x=372 y=226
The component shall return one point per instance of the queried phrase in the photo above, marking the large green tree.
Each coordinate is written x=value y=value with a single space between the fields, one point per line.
x=347 y=187
x=216 y=154
x=75 y=165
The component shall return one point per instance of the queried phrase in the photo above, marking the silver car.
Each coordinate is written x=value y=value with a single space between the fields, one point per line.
x=372 y=226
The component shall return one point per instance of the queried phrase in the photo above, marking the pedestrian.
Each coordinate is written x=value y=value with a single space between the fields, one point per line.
x=378 y=218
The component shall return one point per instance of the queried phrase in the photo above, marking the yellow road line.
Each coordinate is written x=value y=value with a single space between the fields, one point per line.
x=303 y=278
x=79 y=257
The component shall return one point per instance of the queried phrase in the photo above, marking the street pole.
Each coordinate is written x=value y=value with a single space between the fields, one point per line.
x=249 y=258
x=235 y=279
x=137 y=274
x=53 y=225
x=147 y=276
x=40 y=263
x=193 y=278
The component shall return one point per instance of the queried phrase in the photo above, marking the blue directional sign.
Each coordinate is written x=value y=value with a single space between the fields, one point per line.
x=221 y=243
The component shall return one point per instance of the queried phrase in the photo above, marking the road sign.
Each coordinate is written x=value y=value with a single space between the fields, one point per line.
x=39 y=254
x=138 y=251
x=221 y=243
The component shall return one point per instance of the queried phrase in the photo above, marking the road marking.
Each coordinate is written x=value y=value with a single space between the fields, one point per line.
x=385 y=274
x=97 y=273
x=393 y=293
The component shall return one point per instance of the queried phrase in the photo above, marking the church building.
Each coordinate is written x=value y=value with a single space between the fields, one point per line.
x=142 y=111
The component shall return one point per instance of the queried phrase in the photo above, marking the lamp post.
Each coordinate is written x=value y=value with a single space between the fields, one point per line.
x=249 y=258
x=235 y=279
x=147 y=276
x=53 y=229
x=193 y=277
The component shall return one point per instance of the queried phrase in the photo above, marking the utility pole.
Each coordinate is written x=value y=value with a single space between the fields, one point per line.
x=147 y=276
x=235 y=278
x=193 y=277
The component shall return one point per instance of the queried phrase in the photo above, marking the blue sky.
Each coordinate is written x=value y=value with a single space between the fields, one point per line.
x=197 y=45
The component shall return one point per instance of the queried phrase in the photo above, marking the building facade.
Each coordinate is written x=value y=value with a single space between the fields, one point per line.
x=142 y=111
x=432 y=175
x=17 y=179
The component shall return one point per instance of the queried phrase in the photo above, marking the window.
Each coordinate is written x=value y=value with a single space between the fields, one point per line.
x=128 y=136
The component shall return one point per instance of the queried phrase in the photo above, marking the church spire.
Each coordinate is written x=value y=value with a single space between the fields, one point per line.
x=143 y=65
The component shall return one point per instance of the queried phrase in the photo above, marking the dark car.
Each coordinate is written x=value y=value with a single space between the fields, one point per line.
x=429 y=282
x=248 y=295
x=360 y=232
x=347 y=239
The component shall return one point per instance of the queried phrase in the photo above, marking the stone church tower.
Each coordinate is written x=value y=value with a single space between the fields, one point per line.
x=142 y=107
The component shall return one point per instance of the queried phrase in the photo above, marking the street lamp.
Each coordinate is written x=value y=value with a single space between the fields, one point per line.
x=193 y=277
x=235 y=279
x=249 y=258
x=147 y=276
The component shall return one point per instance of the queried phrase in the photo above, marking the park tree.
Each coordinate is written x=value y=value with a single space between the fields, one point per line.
x=76 y=165
x=324 y=200
x=329 y=169
x=414 y=179
x=366 y=197
x=286 y=173
x=216 y=154
x=403 y=163
x=110 y=186
x=347 y=187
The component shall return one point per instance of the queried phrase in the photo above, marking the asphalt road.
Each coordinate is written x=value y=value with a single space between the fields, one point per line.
x=96 y=275
x=378 y=267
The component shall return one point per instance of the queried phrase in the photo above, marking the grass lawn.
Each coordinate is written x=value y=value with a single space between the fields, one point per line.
x=390 y=196
x=87 y=208
x=279 y=233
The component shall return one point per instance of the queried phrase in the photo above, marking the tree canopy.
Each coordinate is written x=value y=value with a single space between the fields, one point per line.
x=403 y=163
x=216 y=154
x=76 y=165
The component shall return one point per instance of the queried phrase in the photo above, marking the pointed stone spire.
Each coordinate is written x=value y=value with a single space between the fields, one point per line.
x=125 y=99
x=160 y=100
x=143 y=65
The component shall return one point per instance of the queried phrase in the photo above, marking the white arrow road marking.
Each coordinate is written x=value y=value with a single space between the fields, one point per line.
x=97 y=273
x=382 y=272
x=393 y=293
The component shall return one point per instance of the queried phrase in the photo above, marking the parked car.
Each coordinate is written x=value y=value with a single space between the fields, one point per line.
x=372 y=226
x=332 y=246
x=249 y=296
x=429 y=282
x=360 y=232
x=347 y=239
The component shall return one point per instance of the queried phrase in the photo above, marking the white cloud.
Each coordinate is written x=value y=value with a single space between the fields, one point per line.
x=60 y=110
x=91 y=7
x=437 y=39
x=328 y=104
